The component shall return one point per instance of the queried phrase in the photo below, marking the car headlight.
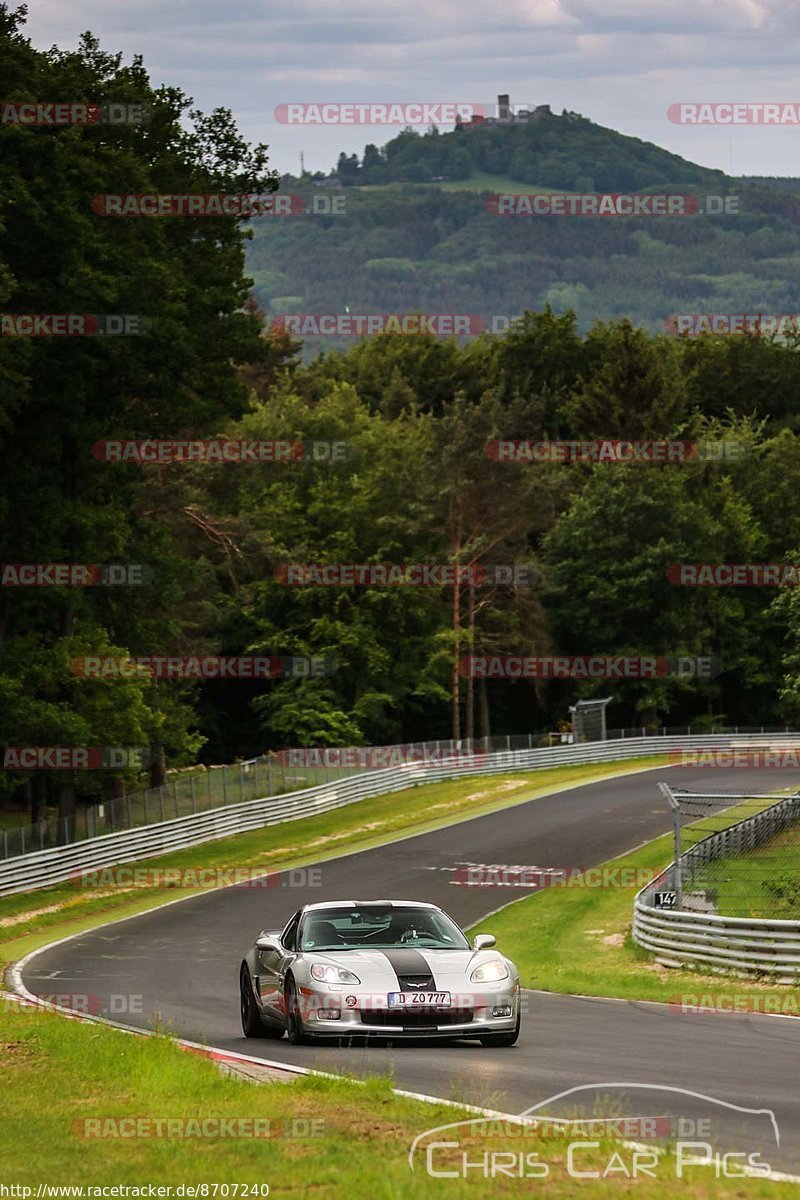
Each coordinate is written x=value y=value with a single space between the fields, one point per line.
x=490 y=972
x=326 y=974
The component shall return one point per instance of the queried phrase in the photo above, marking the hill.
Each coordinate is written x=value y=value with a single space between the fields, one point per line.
x=419 y=233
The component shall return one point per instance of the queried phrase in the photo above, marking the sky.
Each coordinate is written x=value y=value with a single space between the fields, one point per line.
x=621 y=63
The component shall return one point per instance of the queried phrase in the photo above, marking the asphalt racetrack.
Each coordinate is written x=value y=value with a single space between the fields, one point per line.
x=183 y=960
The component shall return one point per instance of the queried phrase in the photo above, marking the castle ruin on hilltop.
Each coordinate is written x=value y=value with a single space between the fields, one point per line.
x=506 y=115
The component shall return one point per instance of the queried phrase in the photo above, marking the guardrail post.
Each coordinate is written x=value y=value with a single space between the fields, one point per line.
x=194 y=796
x=161 y=798
x=269 y=777
x=224 y=785
x=241 y=781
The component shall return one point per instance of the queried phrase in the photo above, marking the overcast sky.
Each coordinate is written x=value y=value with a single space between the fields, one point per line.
x=619 y=62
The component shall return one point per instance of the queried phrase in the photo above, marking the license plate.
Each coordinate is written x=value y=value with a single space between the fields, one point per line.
x=419 y=999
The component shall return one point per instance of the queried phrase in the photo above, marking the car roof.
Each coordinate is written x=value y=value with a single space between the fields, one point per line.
x=368 y=904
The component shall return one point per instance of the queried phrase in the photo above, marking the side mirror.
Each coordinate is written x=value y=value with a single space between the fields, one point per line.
x=484 y=941
x=266 y=942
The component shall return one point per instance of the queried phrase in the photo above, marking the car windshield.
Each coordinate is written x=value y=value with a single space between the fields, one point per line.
x=379 y=927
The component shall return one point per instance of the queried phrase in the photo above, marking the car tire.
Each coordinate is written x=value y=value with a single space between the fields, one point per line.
x=501 y=1039
x=253 y=1023
x=295 y=1028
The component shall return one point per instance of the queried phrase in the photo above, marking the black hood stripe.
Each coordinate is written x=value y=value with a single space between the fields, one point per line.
x=408 y=962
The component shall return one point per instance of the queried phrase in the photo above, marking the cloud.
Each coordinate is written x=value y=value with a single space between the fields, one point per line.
x=620 y=63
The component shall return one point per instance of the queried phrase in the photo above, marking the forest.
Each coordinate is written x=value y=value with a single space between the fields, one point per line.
x=207 y=545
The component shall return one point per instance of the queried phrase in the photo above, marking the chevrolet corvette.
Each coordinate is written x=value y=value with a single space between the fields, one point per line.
x=388 y=968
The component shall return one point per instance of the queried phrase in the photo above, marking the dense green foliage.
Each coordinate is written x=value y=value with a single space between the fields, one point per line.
x=566 y=151
x=417 y=485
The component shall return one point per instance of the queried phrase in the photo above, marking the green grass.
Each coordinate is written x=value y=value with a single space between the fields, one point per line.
x=13 y=818
x=765 y=882
x=480 y=181
x=328 y=1138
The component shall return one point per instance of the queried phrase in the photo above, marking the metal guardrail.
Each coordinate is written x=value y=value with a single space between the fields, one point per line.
x=750 y=945
x=61 y=863
x=203 y=788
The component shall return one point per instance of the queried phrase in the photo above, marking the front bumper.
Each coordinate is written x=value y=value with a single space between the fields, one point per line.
x=336 y=1012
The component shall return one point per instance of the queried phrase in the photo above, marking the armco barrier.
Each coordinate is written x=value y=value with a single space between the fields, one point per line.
x=60 y=863
x=749 y=945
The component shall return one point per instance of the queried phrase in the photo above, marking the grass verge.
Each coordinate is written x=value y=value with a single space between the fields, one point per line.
x=60 y=1080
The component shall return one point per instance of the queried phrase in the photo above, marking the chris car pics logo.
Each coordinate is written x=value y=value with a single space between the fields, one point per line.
x=687 y=1130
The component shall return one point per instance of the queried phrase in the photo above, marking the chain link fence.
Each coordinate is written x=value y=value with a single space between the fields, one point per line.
x=203 y=789
x=736 y=855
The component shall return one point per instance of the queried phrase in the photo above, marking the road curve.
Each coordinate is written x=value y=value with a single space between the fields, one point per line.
x=183 y=961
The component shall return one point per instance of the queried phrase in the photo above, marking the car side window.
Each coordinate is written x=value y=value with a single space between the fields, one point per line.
x=289 y=935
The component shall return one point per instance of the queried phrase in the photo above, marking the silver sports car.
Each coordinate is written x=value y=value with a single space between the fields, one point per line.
x=388 y=968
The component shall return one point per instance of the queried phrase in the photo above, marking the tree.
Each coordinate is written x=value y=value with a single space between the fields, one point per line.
x=181 y=376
